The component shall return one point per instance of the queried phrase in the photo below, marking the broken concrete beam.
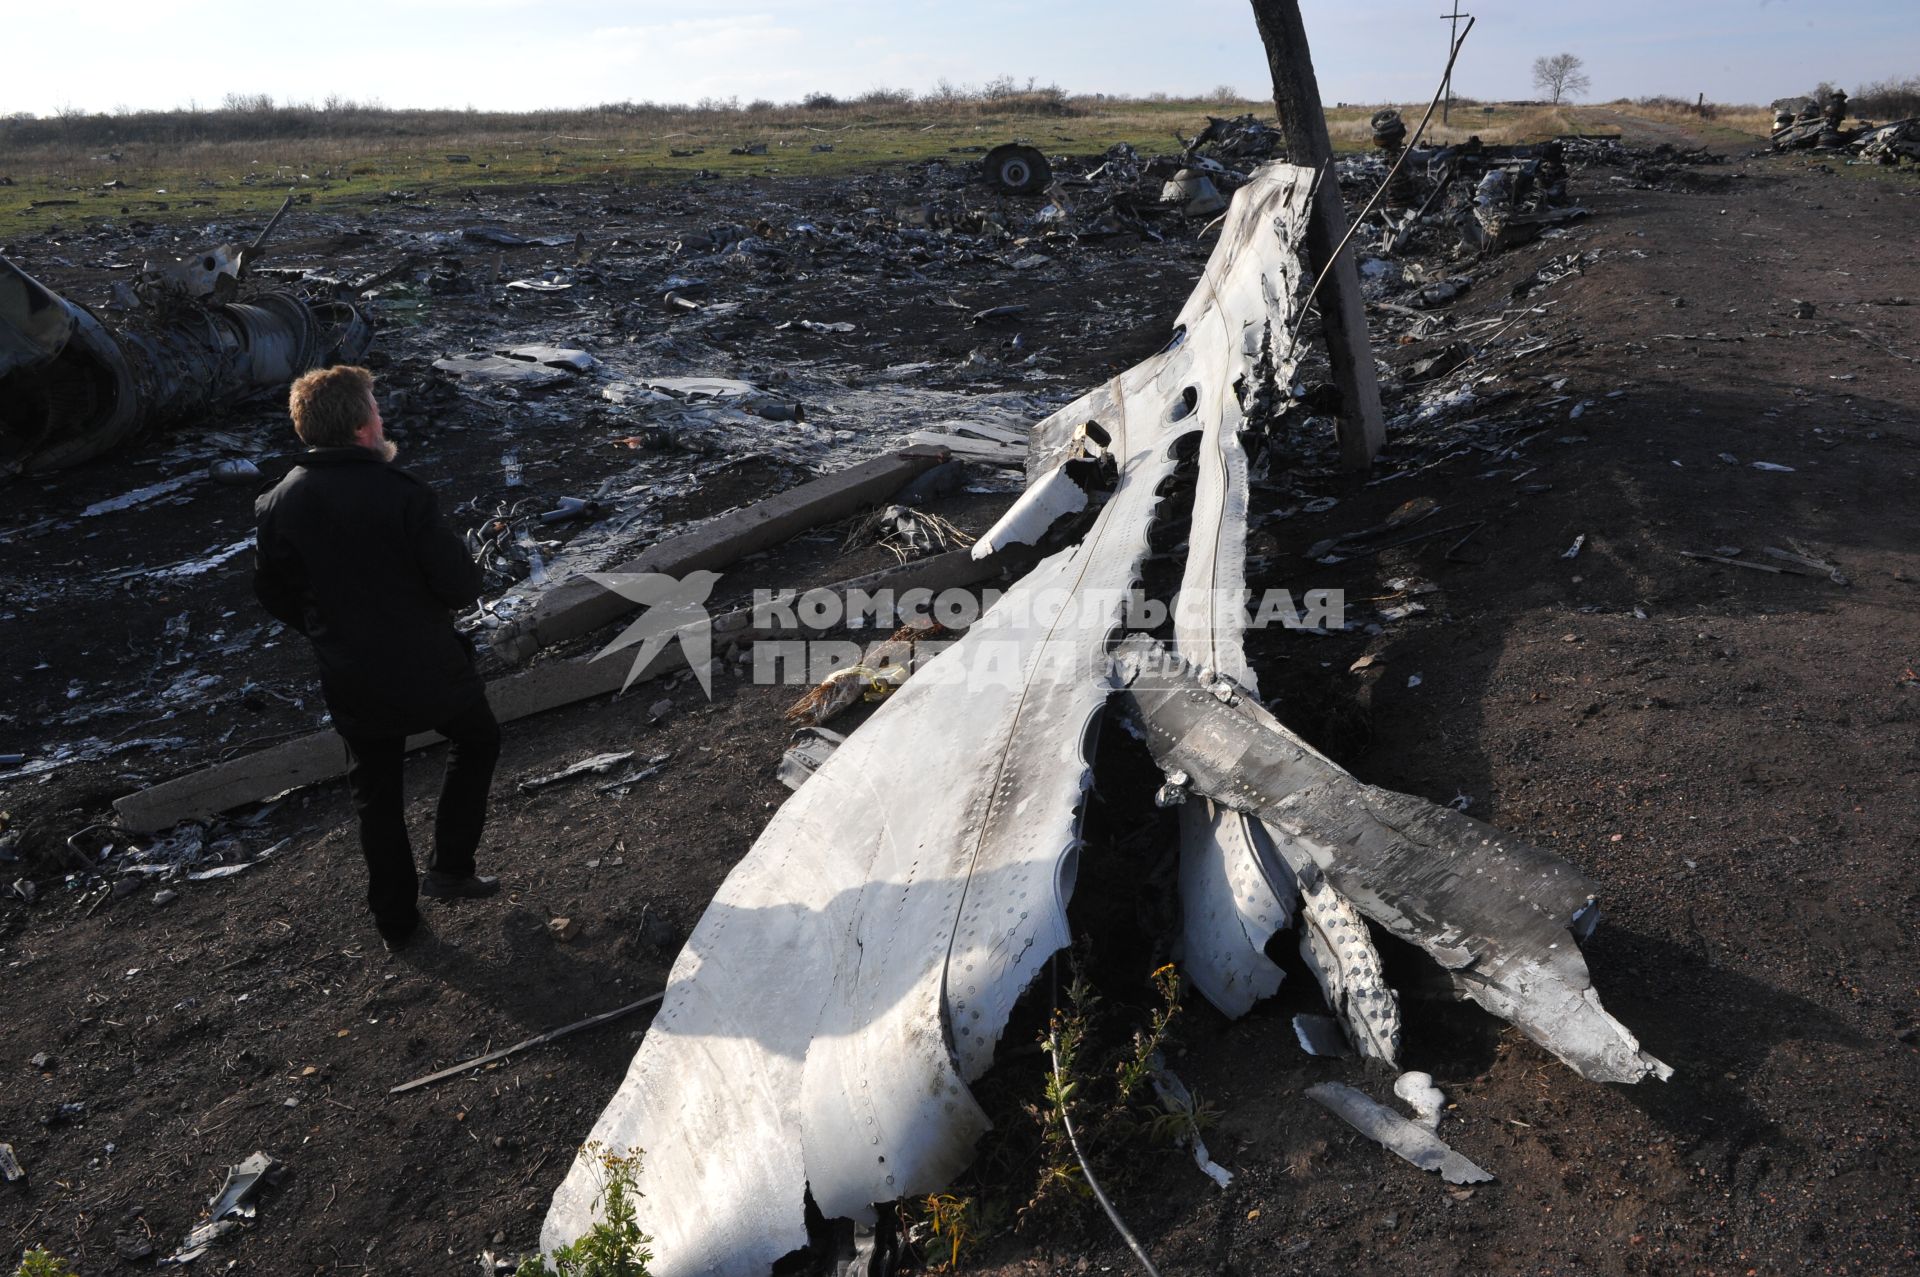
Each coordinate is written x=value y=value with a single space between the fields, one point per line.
x=1010 y=435
x=991 y=451
x=321 y=756
x=581 y=605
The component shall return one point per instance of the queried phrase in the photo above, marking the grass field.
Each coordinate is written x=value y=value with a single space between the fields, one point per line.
x=212 y=179
x=1498 y=124
x=63 y=171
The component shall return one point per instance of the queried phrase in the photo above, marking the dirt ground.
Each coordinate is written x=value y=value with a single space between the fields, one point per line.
x=1729 y=752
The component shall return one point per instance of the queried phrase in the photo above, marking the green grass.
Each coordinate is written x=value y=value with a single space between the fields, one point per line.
x=40 y=1263
x=1497 y=124
x=1905 y=175
x=206 y=181
x=60 y=183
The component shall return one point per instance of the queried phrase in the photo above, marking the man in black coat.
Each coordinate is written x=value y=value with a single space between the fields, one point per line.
x=351 y=551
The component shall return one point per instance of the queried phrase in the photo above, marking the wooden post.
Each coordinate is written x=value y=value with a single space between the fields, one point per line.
x=1343 y=317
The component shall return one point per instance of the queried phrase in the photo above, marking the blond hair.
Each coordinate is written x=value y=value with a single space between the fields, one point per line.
x=329 y=405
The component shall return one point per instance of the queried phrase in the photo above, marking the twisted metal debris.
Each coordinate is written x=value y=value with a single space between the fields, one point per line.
x=71 y=388
x=855 y=971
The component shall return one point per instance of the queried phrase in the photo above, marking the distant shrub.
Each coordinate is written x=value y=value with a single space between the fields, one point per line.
x=1667 y=104
x=1891 y=99
x=258 y=118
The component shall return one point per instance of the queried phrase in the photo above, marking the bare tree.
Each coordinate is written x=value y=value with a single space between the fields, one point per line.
x=1560 y=76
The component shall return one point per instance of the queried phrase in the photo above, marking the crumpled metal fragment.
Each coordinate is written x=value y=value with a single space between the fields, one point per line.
x=1499 y=915
x=856 y=969
x=72 y=389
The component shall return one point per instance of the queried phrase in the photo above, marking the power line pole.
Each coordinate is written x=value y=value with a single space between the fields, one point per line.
x=1453 y=39
x=1343 y=315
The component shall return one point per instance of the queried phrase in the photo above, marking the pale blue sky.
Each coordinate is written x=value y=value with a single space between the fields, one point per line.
x=515 y=54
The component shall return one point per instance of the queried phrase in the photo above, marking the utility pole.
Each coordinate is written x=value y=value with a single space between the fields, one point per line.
x=1453 y=39
x=1343 y=315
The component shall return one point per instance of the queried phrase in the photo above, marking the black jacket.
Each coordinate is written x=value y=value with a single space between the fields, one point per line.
x=351 y=552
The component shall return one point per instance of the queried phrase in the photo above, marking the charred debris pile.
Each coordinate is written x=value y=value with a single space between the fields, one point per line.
x=173 y=345
x=179 y=343
x=1436 y=226
x=665 y=357
x=589 y=386
x=1823 y=126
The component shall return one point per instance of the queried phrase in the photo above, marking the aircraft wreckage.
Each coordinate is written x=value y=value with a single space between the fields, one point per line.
x=73 y=388
x=855 y=971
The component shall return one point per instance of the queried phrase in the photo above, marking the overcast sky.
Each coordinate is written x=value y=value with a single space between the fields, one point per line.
x=516 y=54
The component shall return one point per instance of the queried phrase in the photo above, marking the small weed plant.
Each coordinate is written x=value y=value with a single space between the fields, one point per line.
x=40 y=1263
x=1099 y=1102
x=614 y=1246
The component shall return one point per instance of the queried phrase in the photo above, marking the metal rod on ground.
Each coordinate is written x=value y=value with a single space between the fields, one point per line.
x=260 y=240
x=79 y=856
x=538 y=1039
x=1296 y=95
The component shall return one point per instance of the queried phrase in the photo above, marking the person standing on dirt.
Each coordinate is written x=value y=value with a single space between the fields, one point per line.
x=351 y=551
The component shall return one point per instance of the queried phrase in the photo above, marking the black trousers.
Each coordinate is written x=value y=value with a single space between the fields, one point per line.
x=374 y=771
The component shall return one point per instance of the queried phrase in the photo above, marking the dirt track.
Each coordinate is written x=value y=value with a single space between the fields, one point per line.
x=1729 y=752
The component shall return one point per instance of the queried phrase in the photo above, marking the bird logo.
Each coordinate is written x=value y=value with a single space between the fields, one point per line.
x=676 y=609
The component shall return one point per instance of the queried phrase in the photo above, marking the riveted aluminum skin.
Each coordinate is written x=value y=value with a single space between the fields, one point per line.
x=1497 y=913
x=857 y=968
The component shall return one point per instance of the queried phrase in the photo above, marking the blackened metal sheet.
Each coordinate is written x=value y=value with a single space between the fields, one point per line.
x=1492 y=910
x=72 y=389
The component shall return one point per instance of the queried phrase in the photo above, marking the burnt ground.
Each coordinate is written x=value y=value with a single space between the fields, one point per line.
x=1728 y=752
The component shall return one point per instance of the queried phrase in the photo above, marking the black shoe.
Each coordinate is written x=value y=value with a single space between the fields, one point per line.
x=396 y=940
x=447 y=887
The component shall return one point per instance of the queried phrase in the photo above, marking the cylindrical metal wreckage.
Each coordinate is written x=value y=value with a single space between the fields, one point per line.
x=72 y=389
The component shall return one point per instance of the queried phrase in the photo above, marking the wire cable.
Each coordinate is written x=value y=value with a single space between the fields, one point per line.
x=1294 y=336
